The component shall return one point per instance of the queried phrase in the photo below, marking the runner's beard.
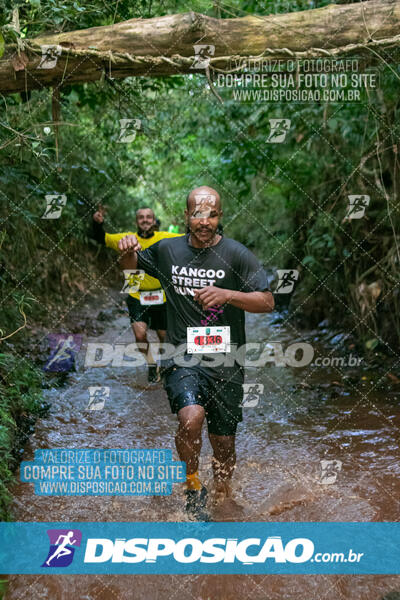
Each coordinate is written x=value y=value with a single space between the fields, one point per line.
x=145 y=234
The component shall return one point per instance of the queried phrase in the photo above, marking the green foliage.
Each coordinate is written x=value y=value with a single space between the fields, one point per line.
x=20 y=403
x=286 y=201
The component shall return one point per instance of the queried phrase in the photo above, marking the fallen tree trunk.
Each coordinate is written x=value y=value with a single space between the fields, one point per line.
x=164 y=46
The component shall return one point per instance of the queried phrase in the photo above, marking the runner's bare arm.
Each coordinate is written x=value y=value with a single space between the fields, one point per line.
x=128 y=246
x=255 y=302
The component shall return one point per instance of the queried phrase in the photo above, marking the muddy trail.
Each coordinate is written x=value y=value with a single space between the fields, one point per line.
x=305 y=415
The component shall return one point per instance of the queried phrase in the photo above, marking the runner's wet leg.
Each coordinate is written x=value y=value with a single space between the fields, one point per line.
x=223 y=463
x=188 y=436
x=161 y=333
x=139 y=329
x=188 y=445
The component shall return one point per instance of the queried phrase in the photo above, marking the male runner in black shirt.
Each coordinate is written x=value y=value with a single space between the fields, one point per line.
x=209 y=281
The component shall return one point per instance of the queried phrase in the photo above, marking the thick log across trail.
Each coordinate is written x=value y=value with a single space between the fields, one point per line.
x=164 y=46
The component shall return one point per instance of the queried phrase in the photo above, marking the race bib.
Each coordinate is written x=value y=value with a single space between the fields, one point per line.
x=152 y=297
x=208 y=339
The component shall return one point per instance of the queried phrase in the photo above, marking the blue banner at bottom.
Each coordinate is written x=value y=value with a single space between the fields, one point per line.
x=199 y=548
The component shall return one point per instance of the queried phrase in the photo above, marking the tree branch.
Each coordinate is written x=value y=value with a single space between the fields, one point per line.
x=164 y=46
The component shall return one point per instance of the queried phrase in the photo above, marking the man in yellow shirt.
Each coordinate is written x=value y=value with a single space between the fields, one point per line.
x=146 y=307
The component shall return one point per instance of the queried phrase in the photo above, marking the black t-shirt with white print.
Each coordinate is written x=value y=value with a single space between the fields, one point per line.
x=181 y=269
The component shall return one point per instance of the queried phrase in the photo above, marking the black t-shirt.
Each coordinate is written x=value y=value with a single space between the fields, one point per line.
x=181 y=269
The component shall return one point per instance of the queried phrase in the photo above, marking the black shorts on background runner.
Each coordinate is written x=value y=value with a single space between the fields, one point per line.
x=220 y=399
x=154 y=316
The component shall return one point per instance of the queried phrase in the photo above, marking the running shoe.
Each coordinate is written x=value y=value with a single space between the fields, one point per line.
x=196 y=504
x=153 y=375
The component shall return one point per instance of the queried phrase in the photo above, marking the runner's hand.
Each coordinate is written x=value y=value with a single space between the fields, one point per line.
x=129 y=243
x=98 y=217
x=208 y=296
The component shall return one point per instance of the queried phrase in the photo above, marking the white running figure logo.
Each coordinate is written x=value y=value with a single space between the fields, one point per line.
x=61 y=352
x=62 y=550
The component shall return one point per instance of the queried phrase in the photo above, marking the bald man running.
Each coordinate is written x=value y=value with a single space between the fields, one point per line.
x=210 y=281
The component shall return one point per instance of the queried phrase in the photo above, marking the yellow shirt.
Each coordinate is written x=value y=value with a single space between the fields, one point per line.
x=148 y=283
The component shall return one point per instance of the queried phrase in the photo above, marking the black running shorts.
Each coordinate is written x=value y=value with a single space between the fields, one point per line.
x=222 y=400
x=154 y=316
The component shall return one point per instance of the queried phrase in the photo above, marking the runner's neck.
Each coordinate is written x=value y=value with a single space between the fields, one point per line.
x=145 y=234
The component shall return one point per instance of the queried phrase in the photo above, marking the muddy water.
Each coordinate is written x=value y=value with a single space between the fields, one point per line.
x=305 y=416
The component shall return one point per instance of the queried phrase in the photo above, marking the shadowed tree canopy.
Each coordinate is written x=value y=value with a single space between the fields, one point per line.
x=164 y=46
